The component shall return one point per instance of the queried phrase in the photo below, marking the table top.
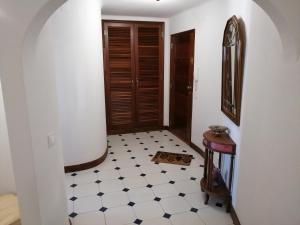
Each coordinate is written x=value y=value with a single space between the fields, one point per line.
x=221 y=143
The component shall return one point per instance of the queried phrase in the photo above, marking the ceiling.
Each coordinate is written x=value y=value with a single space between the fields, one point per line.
x=147 y=8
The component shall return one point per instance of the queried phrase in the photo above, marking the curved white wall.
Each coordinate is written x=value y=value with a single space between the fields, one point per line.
x=7 y=178
x=76 y=38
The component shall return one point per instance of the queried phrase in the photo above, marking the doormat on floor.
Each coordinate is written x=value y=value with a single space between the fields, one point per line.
x=172 y=158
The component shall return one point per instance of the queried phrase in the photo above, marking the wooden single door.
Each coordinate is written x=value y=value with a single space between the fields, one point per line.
x=149 y=74
x=181 y=84
x=119 y=76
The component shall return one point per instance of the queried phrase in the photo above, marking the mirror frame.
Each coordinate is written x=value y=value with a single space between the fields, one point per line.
x=239 y=68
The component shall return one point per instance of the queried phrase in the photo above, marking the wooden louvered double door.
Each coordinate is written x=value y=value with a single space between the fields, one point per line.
x=133 y=58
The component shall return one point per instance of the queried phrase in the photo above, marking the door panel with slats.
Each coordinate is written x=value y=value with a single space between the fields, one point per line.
x=119 y=75
x=133 y=75
x=148 y=46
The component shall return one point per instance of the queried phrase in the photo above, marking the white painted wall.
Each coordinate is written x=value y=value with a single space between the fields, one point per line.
x=266 y=180
x=166 y=58
x=7 y=179
x=77 y=42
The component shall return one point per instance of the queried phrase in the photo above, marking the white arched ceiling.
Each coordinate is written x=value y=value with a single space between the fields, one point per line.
x=285 y=16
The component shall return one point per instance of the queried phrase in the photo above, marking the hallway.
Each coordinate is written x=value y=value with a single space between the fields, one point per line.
x=128 y=188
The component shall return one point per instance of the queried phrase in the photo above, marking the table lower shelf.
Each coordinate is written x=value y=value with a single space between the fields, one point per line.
x=218 y=191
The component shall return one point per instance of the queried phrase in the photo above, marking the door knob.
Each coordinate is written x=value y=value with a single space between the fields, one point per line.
x=189 y=87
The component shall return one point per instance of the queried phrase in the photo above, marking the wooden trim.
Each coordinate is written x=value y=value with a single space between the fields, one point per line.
x=87 y=165
x=197 y=149
x=70 y=222
x=234 y=216
x=134 y=130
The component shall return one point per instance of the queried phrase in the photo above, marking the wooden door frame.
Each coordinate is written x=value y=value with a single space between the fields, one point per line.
x=191 y=83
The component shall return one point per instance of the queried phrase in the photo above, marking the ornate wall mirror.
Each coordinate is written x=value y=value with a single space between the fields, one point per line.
x=233 y=68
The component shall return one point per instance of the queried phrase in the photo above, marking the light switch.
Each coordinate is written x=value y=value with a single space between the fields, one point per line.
x=51 y=140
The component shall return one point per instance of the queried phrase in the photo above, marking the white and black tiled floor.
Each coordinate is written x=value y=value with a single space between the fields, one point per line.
x=128 y=188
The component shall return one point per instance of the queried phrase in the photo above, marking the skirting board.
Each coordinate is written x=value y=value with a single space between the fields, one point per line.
x=197 y=149
x=87 y=165
x=234 y=216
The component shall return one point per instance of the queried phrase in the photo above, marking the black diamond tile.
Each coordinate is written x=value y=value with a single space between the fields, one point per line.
x=161 y=146
x=103 y=209
x=165 y=135
x=121 y=178
x=117 y=168
x=125 y=190
x=96 y=171
x=128 y=150
x=167 y=216
x=137 y=138
x=171 y=140
x=201 y=165
x=98 y=181
x=218 y=204
x=181 y=194
x=172 y=182
x=131 y=204
x=150 y=155
x=182 y=168
x=73 y=198
x=126 y=145
x=73 y=214
x=177 y=145
x=111 y=153
x=122 y=139
x=194 y=210
x=157 y=163
x=73 y=185
x=141 y=143
x=120 y=135
x=132 y=157
x=184 y=151
x=151 y=137
x=143 y=175
x=149 y=186
x=193 y=178
x=137 y=165
x=100 y=194
x=109 y=146
x=145 y=149
x=156 y=141
x=138 y=221
x=114 y=160
x=157 y=199
x=74 y=174
x=163 y=171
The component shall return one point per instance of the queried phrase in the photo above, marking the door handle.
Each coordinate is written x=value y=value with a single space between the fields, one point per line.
x=189 y=87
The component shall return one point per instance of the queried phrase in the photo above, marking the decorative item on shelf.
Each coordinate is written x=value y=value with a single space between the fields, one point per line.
x=219 y=130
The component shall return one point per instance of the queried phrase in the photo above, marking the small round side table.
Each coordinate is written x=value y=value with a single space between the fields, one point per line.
x=221 y=144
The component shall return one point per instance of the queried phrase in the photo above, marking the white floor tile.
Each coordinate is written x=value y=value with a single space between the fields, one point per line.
x=157 y=221
x=165 y=190
x=85 y=178
x=130 y=172
x=111 y=186
x=196 y=200
x=83 y=190
x=87 y=204
x=215 y=216
x=93 y=218
x=148 y=210
x=187 y=186
x=115 y=199
x=150 y=169
x=178 y=175
x=135 y=182
x=108 y=175
x=141 y=195
x=175 y=205
x=189 y=218
x=157 y=178
x=119 y=216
